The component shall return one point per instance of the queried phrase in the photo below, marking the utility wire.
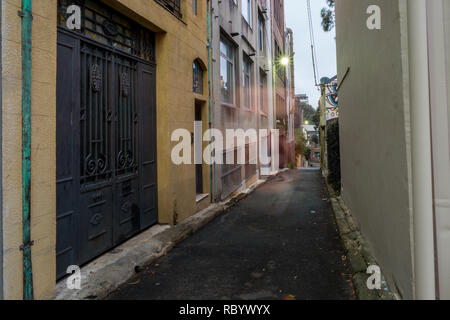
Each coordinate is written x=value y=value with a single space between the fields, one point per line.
x=313 y=44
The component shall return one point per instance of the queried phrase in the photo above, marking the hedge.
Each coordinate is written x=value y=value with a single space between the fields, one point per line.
x=334 y=160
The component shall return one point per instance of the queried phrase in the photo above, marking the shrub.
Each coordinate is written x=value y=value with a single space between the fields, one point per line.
x=300 y=143
x=334 y=160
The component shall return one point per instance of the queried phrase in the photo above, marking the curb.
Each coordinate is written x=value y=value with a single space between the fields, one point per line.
x=105 y=274
x=358 y=252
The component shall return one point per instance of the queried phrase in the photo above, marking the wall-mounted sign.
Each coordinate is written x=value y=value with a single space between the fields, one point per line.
x=331 y=101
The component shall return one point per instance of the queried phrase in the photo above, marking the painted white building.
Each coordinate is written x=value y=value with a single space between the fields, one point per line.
x=394 y=132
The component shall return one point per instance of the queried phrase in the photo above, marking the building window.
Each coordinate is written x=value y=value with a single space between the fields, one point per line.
x=173 y=6
x=262 y=87
x=197 y=77
x=102 y=25
x=194 y=6
x=247 y=11
x=226 y=71
x=278 y=14
x=261 y=42
x=250 y=160
x=246 y=83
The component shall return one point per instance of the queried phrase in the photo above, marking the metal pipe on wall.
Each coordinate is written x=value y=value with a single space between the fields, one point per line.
x=210 y=124
x=1 y=159
x=422 y=186
x=27 y=20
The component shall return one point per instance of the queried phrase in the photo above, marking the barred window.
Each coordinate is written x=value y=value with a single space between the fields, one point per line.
x=197 y=77
x=194 y=6
x=102 y=24
x=246 y=83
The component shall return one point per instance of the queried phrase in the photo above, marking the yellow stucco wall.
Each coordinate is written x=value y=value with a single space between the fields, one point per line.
x=178 y=44
x=43 y=183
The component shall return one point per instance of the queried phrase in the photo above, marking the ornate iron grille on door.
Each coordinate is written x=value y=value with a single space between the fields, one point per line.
x=127 y=118
x=106 y=132
x=96 y=115
x=108 y=27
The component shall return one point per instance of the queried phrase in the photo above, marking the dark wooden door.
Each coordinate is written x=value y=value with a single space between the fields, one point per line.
x=198 y=167
x=107 y=133
x=148 y=186
x=67 y=162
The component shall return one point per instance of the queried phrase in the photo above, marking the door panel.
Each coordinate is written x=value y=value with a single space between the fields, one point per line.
x=127 y=217
x=67 y=164
x=95 y=152
x=147 y=102
x=199 y=167
x=106 y=149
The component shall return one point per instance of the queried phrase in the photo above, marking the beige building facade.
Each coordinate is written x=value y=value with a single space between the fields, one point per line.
x=241 y=79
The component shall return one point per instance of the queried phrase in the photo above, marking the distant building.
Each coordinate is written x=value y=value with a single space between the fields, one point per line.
x=303 y=97
x=310 y=132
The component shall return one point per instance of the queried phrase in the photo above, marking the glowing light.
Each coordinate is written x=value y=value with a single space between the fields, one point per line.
x=306 y=122
x=284 y=61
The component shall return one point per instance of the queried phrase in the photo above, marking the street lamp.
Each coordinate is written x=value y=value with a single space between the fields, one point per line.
x=284 y=61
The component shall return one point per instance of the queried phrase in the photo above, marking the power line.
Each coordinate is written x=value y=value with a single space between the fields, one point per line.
x=313 y=44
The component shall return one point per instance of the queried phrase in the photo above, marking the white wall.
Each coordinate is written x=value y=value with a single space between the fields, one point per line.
x=1 y=159
x=439 y=29
x=375 y=134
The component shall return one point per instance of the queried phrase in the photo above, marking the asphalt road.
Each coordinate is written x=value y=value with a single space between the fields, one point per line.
x=281 y=242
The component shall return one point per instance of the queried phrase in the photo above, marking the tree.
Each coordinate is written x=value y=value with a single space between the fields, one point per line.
x=333 y=151
x=308 y=112
x=328 y=16
x=315 y=119
x=300 y=143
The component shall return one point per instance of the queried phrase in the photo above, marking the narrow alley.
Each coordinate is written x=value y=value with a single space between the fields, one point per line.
x=279 y=243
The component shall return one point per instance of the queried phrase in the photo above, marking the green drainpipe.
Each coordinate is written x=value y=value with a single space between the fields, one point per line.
x=27 y=20
x=208 y=9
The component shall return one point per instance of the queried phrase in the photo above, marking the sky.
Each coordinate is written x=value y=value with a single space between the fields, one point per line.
x=297 y=19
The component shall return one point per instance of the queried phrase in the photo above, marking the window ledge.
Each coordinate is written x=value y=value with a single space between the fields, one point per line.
x=200 y=97
x=248 y=110
x=201 y=197
x=228 y=105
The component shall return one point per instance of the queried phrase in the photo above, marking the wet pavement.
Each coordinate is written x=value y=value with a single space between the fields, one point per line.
x=281 y=242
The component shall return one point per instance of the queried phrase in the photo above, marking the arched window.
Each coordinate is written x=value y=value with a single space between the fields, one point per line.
x=198 y=77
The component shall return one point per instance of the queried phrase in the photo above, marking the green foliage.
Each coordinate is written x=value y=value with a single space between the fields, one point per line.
x=308 y=112
x=308 y=153
x=328 y=16
x=300 y=143
x=334 y=160
x=315 y=139
x=315 y=119
x=292 y=165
